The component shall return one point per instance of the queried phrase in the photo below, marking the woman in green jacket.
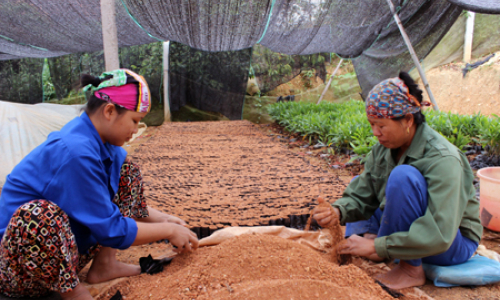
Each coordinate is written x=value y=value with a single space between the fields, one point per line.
x=421 y=183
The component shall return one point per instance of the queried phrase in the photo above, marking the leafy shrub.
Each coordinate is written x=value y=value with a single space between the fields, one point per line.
x=344 y=125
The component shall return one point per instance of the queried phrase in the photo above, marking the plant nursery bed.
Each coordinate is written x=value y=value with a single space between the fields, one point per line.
x=220 y=174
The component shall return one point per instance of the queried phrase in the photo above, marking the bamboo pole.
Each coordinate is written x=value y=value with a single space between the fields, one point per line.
x=109 y=35
x=166 y=83
x=329 y=81
x=413 y=55
x=469 y=33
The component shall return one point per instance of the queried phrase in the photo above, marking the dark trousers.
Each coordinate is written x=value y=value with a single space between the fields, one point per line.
x=406 y=201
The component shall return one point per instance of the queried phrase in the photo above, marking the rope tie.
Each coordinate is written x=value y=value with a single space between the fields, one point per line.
x=268 y=21
x=137 y=22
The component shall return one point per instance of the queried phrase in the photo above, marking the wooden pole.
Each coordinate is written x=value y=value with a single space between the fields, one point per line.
x=469 y=33
x=166 y=82
x=329 y=81
x=109 y=35
x=413 y=55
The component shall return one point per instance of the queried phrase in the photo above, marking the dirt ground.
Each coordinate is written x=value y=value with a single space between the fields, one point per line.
x=220 y=174
x=477 y=92
x=254 y=267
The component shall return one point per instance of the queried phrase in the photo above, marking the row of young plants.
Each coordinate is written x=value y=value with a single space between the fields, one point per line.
x=344 y=125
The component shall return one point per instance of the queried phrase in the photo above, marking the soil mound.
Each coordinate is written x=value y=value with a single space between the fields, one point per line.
x=254 y=267
x=298 y=289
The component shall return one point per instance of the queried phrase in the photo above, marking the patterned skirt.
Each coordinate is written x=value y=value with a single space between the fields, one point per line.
x=38 y=252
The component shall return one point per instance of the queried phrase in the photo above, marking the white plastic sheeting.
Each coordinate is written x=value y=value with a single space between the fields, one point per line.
x=23 y=127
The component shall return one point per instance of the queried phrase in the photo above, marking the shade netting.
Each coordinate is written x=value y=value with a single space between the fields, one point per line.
x=213 y=43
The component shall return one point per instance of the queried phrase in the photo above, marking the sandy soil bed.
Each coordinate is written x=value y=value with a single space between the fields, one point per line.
x=215 y=175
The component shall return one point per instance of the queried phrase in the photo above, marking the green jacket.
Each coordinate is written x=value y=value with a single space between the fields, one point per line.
x=451 y=203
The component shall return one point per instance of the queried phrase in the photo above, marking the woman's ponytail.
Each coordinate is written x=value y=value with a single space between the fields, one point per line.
x=412 y=86
x=415 y=91
x=87 y=79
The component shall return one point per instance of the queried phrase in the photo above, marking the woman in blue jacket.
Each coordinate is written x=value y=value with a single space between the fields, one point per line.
x=76 y=197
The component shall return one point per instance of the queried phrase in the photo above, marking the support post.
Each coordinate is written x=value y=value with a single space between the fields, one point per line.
x=330 y=81
x=109 y=35
x=166 y=82
x=413 y=55
x=469 y=33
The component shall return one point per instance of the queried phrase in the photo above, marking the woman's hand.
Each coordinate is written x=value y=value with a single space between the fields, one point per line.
x=156 y=216
x=159 y=226
x=180 y=236
x=175 y=220
x=324 y=216
x=360 y=246
x=184 y=239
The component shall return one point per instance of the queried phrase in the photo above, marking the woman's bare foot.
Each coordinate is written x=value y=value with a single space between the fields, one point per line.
x=105 y=267
x=403 y=276
x=78 y=293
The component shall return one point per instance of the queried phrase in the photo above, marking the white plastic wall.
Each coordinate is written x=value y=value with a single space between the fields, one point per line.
x=24 y=126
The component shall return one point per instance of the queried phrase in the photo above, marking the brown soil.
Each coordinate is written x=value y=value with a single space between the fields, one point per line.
x=219 y=174
x=336 y=232
x=254 y=267
x=233 y=174
x=478 y=92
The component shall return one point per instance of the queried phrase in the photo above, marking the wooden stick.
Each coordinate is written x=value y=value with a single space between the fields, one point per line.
x=329 y=81
x=109 y=35
x=413 y=55
x=469 y=33
x=166 y=83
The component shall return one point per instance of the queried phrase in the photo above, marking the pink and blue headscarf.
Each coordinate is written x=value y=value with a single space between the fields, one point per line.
x=391 y=99
x=124 y=88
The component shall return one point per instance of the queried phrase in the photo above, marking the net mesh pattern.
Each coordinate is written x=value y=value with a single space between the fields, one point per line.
x=479 y=6
x=424 y=23
x=62 y=27
x=206 y=25
x=273 y=69
x=210 y=81
x=65 y=70
x=22 y=79
x=214 y=43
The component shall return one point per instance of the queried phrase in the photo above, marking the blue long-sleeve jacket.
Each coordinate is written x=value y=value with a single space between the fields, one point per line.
x=77 y=171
